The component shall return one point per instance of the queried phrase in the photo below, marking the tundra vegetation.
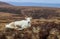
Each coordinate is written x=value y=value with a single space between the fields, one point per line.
x=44 y=25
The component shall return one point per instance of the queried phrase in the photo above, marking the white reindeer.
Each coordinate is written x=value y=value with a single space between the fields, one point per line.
x=19 y=25
x=10 y=25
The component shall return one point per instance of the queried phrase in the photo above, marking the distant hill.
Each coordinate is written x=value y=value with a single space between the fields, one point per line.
x=35 y=12
x=5 y=4
x=35 y=4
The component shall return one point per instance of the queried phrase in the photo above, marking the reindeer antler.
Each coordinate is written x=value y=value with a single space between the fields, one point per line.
x=24 y=14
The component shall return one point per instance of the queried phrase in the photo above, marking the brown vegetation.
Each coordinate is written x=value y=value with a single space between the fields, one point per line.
x=45 y=26
x=35 y=12
x=46 y=30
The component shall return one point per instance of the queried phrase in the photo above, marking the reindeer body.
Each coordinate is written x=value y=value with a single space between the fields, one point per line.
x=20 y=24
x=23 y=24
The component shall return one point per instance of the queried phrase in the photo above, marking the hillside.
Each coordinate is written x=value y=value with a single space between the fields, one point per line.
x=5 y=4
x=44 y=25
x=35 y=12
x=12 y=13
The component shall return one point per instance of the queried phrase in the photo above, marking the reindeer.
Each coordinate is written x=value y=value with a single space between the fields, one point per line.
x=20 y=25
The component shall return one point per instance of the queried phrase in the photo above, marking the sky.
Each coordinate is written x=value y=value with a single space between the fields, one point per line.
x=34 y=1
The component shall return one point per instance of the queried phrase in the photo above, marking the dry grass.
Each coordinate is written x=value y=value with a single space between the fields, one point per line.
x=41 y=28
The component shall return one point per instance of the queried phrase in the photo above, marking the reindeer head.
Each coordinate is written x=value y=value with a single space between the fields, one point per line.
x=28 y=18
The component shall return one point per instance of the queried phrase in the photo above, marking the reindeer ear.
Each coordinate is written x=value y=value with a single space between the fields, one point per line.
x=31 y=17
x=25 y=17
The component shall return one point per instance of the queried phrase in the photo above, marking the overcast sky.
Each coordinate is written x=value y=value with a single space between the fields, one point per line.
x=34 y=1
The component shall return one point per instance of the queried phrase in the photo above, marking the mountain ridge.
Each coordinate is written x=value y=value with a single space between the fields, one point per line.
x=30 y=4
x=35 y=4
x=5 y=4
